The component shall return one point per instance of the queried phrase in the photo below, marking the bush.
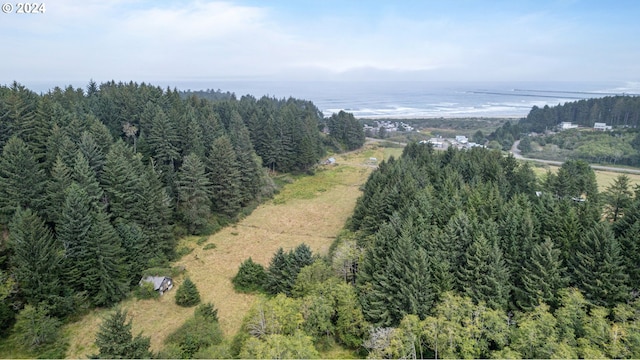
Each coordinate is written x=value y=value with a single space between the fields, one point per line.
x=209 y=246
x=146 y=291
x=202 y=240
x=207 y=311
x=187 y=294
x=34 y=328
x=251 y=277
x=197 y=333
x=182 y=251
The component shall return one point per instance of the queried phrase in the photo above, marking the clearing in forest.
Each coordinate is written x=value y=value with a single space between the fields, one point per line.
x=310 y=209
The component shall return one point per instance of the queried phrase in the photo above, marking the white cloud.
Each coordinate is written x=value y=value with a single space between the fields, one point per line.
x=162 y=40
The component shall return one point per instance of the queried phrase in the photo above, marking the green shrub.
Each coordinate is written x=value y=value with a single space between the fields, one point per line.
x=146 y=291
x=187 y=294
x=202 y=240
x=198 y=333
x=251 y=277
x=182 y=251
x=209 y=246
x=207 y=311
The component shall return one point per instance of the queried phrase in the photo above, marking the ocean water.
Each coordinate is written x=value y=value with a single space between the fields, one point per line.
x=370 y=99
x=412 y=99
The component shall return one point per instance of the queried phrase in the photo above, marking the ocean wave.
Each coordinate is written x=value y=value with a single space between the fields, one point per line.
x=483 y=110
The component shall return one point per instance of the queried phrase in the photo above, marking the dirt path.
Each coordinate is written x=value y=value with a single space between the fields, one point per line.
x=311 y=210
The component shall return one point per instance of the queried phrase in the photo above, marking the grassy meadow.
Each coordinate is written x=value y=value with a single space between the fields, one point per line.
x=604 y=178
x=308 y=209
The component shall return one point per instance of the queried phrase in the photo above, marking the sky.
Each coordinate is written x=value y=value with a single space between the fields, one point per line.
x=425 y=40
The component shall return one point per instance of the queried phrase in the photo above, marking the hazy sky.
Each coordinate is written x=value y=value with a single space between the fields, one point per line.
x=322 y=40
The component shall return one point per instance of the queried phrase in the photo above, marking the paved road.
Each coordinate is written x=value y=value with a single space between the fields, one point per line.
x=516 y=154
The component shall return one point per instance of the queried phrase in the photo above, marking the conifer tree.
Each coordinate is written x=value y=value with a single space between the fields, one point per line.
x=223 y=172
x=122 y=182
x=629 y=248
x=22 y=180
x=247 y=163
x=108 y=268
x=18 y=110
x=155 y=220
x=483 y=275
x=192 y=133
x=162 y=141
x=85 y=177
x=542 y=275
x=394 y=280
x=115 y=341
x=187 y=294
x=250 y=277
x=136 y=249
x=598 y=267
x=279 y=274
x=36 y=130
x=92 y=249
x=36 y=259
x=516 y=231
x=193 y=193
x=65 y=147
x=92 y=152
x=301 y=257
x=59 y=181
x=618 y=198
x=35 y=328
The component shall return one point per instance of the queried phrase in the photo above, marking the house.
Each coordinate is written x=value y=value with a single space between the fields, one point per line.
x=462 y=139
x=436 y=142
x=330 y=161
x=161 y=284
x=601 y=126
x=567 y=126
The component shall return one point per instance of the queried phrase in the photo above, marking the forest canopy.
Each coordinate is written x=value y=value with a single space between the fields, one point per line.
x=97 y=184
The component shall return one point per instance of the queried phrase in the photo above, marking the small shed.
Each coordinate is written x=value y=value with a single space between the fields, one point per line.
x=330 y=161
x=161 y=284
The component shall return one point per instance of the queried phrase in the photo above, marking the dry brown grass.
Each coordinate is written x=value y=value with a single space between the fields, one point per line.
x=311 y=210
x=604 y=178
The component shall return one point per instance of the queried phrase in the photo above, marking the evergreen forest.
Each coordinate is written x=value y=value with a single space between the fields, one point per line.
x=97 y=185
x=460 y=254
x=448 y=254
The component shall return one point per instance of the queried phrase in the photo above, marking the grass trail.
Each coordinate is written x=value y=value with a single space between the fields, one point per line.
x=311 y=210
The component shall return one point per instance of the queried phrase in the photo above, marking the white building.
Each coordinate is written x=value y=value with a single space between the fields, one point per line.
x=567 y=126
x=601 y=126
x=462 y=139
x=437 y=143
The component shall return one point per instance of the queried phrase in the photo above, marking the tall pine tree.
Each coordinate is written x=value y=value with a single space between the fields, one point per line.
x=92 y=249
x=193 y=193
x=22 y=180
x=483 y=275
x=37 y=259
x=223 y=172
x=598 y=267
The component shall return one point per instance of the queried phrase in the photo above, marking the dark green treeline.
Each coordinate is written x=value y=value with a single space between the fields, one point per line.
x=479 y=223
x=96 y=185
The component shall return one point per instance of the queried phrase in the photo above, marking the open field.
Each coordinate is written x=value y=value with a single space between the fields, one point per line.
x=311 y=210
x=604 y=178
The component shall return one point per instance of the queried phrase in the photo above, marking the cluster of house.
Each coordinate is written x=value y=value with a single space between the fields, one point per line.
x=596 y=126
x=460 y=141
x=388 y=126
